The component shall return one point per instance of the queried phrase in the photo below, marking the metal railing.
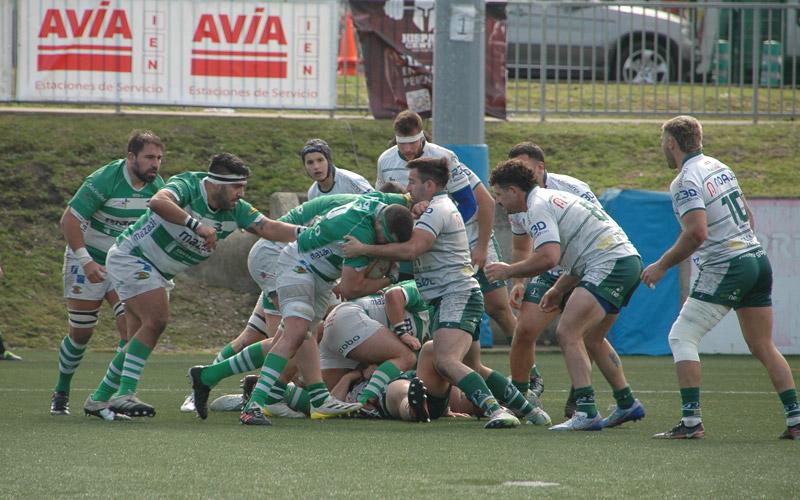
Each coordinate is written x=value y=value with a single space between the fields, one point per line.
x=635 y=59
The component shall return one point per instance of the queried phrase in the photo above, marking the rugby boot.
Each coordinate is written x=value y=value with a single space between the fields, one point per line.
x=418 y=400
x=538 y=417
x=281 y=409
x=188 y=404
x=59 y=403
x=580 y=421
x=332 y=407
x=130 y=405
x=200 y=391
x=682 y=431
x=621 y=415
x=100 y=410
x=252 y=415
x=537 y=385
x=502 y=419
x=248 y=383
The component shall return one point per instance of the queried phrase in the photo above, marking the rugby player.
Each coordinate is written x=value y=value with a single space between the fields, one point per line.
x=328 y=179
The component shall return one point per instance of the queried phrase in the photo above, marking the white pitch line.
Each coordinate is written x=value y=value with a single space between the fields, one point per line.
x=530 y=484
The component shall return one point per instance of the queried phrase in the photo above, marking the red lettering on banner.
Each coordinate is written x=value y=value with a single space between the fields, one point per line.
x=152 y=64
x=93 y=56
x=260 y=30
x=308 y=70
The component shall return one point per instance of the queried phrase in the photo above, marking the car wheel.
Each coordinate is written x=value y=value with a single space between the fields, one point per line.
x=645 y=63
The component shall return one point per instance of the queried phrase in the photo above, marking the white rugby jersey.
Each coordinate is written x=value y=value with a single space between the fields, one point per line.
x=587 y=234
x=705 y=183
x=392 y=167
x=446 y=267
x=556 y=182
x=344 y=182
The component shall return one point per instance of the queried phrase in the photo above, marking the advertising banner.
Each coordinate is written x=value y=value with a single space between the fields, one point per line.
x=778 y=231
x=397 y=43
x=6 y=48
x=224 y=53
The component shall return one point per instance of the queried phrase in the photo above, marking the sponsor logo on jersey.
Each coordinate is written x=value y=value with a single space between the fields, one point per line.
x=685 y=194
x=348 y=343
x=719 y=181
x=538 y=227
x=299 y=270
x=80 y=279
x=73 y=269
x=555 y=200
x=76 y=290
x=141 y=275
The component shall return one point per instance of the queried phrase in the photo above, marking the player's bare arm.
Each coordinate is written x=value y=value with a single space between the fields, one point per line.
x=395 y=301
x=694 y=232
x=274 y=230
x=485 y=223
x=355 y=283
x=166 y=206
x=545 y=257
x=71 y=227
x=421 y=241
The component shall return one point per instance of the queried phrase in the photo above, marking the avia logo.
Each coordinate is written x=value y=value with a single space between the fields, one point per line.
x=97 y=40
x=256 y=30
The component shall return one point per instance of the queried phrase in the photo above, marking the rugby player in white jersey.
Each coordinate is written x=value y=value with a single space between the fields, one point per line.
x=601 y=268
x=180 y=229
x=442 y=269
x=108 y=201
x=526 y=297
x=734 y=272
x=328 y=179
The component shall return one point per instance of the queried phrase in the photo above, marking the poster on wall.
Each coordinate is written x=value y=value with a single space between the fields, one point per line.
x=225 y=53
x=778 y=231
x=397 y=42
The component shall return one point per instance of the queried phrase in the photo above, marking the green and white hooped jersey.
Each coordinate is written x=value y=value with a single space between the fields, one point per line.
x=446 y=267
x=587 y=234
x=556 y=182
x=171 y=248
x=344 y=182
x=392 y=167
x=705 y=183
x=320 y=246
x=417 y=312
x=106 y=204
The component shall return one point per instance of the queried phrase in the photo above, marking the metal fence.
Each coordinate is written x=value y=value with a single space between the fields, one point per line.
x=635 y=59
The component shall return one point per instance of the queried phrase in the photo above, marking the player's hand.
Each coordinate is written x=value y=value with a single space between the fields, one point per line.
x=479 y=256
x=410 y=341
x=497 y=271
x=419 y=208
x=353 y=247
x=551 y=301
x=652 y=274
x=337 y=291
x=517 y=293
x=94 y=272
x=209 y=234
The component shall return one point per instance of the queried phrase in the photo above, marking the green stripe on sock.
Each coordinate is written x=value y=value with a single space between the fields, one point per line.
x=535 y=371
x=318 y=393
x=249 y=359
x=385 y=373
x=225 y=353
x=135 y=359
x=110 y=383
x=624 y=397
x=584 y=399
x=507 y=393
x=70 y=355
x=789 y=399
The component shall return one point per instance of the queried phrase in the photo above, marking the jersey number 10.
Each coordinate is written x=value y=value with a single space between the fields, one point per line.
x=732 y=201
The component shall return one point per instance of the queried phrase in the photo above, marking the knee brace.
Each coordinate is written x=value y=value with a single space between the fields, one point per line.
x=119 y=309
x=258 y=323
x=695 y=320
x=83 y=319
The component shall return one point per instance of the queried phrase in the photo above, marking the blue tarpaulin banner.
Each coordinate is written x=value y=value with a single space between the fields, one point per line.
x=648 y=219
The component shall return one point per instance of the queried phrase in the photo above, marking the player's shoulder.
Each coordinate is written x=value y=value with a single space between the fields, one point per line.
x=387 y=156
x=108 y=173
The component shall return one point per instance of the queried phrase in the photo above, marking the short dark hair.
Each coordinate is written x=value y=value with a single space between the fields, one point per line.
x=431 y=169
x=139 y=138
x=527 y=148
x=513 y=173
x=227 y=163
x=407 y=122
x=399 y=221
x=392 y=187
x=687 y=132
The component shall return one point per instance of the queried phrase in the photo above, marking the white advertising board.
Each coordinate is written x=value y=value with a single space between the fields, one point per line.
x=777 y=225
x=204 y=53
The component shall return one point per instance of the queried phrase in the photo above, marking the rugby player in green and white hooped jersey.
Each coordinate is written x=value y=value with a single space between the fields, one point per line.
x=179 y=230
x=262 y=262
x=599 y=262
x=532 y=319
x=444 y=275
x=109 y=200
x=734 y=272
x=309 y=269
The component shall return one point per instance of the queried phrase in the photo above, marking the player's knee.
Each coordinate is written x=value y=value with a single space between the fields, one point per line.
x=695 y=320
x=83 y=320
x=297 y=308
x=407 y=360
